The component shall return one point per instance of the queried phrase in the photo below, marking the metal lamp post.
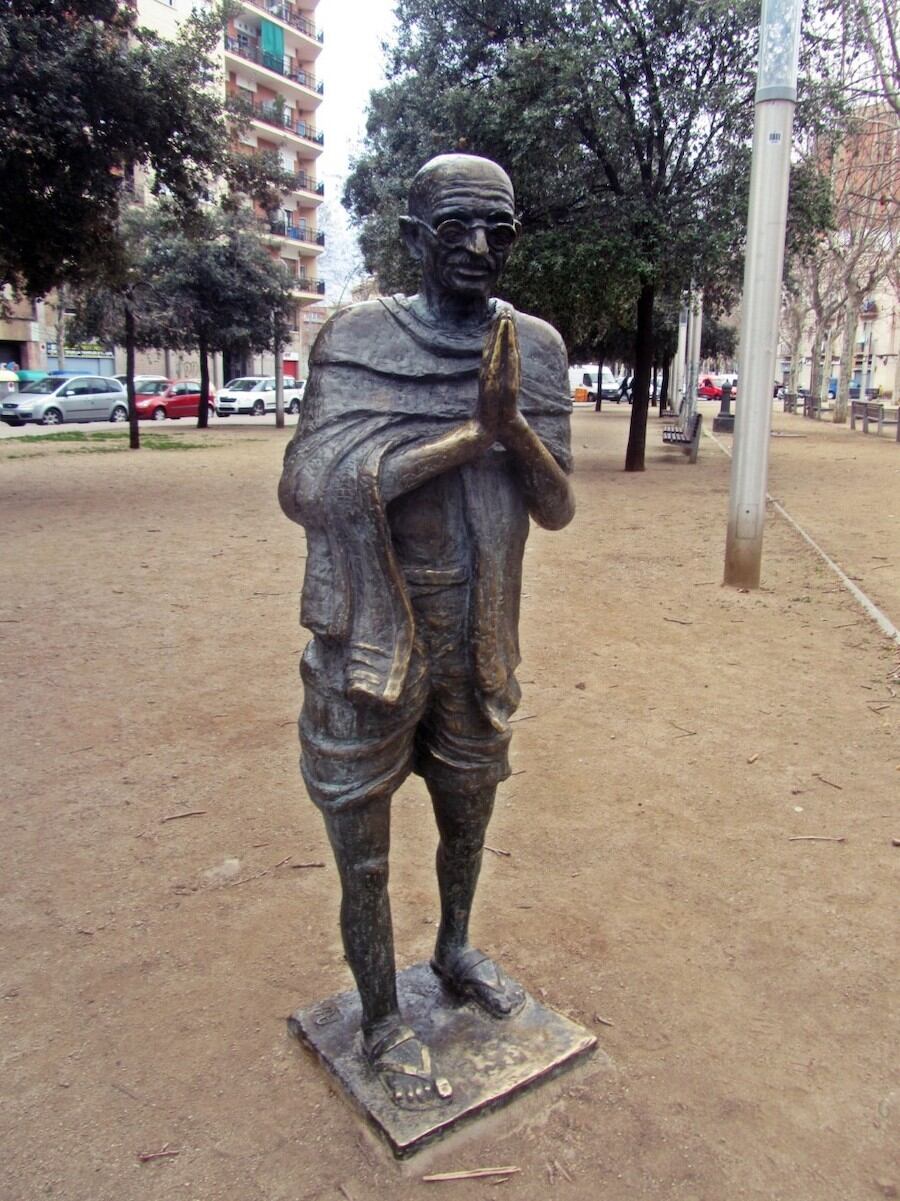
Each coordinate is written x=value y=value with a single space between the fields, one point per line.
x=776 y=97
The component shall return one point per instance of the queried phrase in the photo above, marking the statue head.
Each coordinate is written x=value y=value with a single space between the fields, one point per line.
x=461 y=225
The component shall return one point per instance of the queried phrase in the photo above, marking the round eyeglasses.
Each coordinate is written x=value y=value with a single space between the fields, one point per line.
x=499 y=235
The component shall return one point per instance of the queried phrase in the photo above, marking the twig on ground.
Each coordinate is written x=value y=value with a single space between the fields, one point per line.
x=520 y=772
x=879 y=708
x=603 y=1021
x=753 y=758
x=345 y=1193
x=677 y=621
x=174 y=817
x=830 y=783
x=298 y=866
x=498 y=851
x=562 y=1171
x=524 y=717
x=816 y=838
x=162 y=1153
x=473 y=1174
x=258 y=875
x=685 y=732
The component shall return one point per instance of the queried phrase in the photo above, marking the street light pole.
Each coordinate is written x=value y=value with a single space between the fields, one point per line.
x=695 y=331
x=776 y=97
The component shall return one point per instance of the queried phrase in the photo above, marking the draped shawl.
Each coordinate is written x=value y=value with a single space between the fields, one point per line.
x=383 y=379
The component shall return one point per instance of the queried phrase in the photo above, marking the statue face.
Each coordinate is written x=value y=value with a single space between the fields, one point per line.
x=466 y=257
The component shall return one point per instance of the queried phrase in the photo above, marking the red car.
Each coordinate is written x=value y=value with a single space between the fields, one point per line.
x=708 y=389
x=159 y=399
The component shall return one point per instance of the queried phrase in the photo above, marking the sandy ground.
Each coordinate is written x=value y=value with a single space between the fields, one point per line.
x=743 y=985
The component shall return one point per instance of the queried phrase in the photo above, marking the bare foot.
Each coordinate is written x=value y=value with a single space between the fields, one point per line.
x=403 y=1065
x=470 y=975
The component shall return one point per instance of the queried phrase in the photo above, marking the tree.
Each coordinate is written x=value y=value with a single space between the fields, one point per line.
x=81 y=107
x=625 y=127
x=218 y=288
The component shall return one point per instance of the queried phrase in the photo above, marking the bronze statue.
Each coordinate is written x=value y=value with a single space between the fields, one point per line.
x=433 y=427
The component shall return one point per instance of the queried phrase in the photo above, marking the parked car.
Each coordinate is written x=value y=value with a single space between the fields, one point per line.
x=144 y=383
x=77 y=398
x=172 y=398
x=256 y=394
x=710 y=386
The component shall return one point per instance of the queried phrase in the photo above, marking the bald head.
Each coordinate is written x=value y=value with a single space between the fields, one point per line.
x=447 y=172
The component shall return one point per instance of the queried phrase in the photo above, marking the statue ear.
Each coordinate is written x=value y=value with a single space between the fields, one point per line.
x=412 y=236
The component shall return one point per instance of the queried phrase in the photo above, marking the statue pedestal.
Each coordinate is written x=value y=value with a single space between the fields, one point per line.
x=488 y=1061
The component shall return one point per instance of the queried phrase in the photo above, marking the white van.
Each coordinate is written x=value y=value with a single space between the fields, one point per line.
x=585 y=376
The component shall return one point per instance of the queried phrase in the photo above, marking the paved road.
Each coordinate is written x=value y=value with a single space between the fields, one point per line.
x=16 y=431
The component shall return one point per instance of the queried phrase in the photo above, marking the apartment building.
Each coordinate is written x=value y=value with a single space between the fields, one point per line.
x=268 y=58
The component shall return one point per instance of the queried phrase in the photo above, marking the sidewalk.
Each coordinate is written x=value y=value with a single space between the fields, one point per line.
x=676 y=737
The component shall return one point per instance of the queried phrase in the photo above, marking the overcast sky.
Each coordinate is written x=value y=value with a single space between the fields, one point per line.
x=351 y=64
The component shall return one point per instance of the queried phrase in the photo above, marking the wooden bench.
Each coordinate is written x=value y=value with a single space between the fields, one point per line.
x=813 y=407
x=687 y=437
x=870 y=410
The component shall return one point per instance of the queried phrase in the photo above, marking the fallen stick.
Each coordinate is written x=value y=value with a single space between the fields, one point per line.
x=473 y=1174
x=174 y=817
x=816 y=838
x=498 y=851
x=297 y=866
x=162 y=1153
x=830 y=783
x=603 y=1021
x=524 y=717
x=677 y=621
x=687 y=733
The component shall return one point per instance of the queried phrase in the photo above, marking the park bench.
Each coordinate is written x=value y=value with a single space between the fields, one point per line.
x=869 y=410
x=813 y=407
x=687 y=436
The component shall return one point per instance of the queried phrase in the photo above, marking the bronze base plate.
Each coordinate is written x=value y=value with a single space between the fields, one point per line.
x=488 y=1061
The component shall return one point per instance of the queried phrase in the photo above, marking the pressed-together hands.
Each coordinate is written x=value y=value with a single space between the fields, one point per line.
x=497 y=419
x=499 y=380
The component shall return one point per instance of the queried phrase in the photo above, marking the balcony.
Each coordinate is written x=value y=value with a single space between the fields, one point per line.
x=306 y=183
x=290 y=16
x=277 y=115
x=305 y=284
x=297 y=233
x=247 y=49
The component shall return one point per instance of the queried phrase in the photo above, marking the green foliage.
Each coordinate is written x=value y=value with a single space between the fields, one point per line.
x=624 y=127
x=86 y=98
x=212 y=283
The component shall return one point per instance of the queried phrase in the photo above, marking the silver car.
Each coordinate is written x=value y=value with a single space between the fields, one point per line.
x=53 y=400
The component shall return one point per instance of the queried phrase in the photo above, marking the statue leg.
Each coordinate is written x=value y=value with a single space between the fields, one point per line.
x=360 y=839
x=462 y=820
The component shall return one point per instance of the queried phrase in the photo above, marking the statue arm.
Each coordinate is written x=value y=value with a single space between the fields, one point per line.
x=407 y=469
x=548 y=493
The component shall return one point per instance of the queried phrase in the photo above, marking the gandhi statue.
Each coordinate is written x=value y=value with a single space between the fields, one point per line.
x=433 y=427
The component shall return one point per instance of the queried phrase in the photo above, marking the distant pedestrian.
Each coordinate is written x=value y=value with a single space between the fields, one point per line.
x=624 y=392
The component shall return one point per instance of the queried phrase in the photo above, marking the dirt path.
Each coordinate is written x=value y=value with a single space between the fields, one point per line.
x=682 y=735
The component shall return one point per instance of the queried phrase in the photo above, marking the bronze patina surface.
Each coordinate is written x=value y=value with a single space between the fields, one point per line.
x=490 y=1062
x=434 y=429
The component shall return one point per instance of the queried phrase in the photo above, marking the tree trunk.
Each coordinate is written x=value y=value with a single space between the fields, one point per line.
x=279 y=386
x=640 y=389
x=61 y=328
x=826 y=366
x=851 y=318
x=134 y=437
x=203 y=407
x=815 y=370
